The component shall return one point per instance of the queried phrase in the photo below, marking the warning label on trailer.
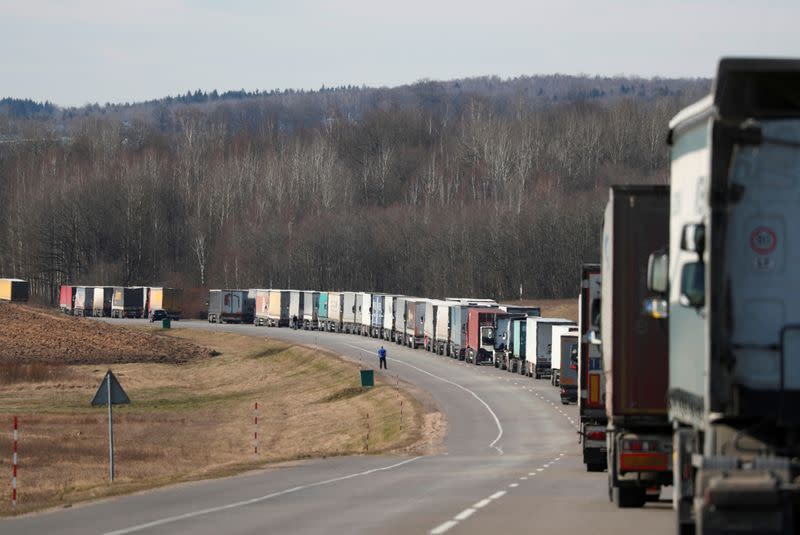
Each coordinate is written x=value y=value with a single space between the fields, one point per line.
x=763 y=240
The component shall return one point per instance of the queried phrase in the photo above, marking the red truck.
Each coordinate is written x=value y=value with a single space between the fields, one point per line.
x=66 y=299
x=481 y=332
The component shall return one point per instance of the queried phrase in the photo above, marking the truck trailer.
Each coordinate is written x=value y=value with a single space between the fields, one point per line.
x=170 y=300
x=127 y=303
x=296 y=304
x=430 y=340
x=310 y=310
x=334 y=321
x=14 y=290
x=565 y=362
x=230 y=306
x=726 y=289
x=322 y=311
x=84 y=301
x=349 y=310
x=538 y=345
x=634 y=347
x=376 y=315
x=415 y=322
x=66 y=299
x=101 y=301
x=591 y=381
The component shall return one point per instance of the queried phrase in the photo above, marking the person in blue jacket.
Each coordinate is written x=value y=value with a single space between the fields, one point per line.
x=382 y=357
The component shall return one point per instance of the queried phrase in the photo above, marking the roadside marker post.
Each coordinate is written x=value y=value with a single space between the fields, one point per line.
x=14 y=468
x=110 y=393
x=255 y=422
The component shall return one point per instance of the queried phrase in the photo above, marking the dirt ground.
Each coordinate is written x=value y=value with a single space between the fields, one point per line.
x=33 y=335
x=197 y=419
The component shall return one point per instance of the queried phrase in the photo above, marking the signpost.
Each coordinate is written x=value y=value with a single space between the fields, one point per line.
x=110 y=393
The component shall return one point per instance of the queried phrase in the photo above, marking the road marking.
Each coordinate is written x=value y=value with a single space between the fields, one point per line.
x=514 y=485
x=210 y=510
x=482 y=503
x=476 y=396
x=465 y=514
x=444 y=527
x=540 y=469
x=524 y=478
x=498 y=494
x=531 y=473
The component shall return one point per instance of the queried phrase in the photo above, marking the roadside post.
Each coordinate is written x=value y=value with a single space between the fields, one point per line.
x=110 y=393
x=14 y=468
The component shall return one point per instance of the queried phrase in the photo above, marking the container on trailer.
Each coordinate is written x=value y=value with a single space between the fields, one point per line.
x=378 y=313
x=538 y=341
x=635 y=350
x=565 y=360
x=66 y=299
x=170 y=300
x=278 y=311
x=348 y=308
x=389 y=304
x=126 y=302
x=429 y=328
x=459 y=313
x=481 y=334
x=400 y=317
x=296 y=304
x=14 y=290
x=472 y=301
x=101 y=301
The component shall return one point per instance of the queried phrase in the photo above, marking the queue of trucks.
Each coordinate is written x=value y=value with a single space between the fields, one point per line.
x=120 y=302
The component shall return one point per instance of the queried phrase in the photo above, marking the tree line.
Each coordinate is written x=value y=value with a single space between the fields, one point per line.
x=492 y=188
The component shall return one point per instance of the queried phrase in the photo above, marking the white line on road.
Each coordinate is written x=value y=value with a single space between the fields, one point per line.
x=514 y=485
x=523 y=478
x=482 y=503
x=444 y=527
x=498 y=494
x=476 y=396
x=235 y=505
x=465 y=514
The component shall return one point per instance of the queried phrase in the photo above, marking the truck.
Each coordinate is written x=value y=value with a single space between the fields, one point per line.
x=519 y=327
x=481 y=332
x=459 y=314
x=310 y=310
x=66 y=298
x=84 y=301
x=504 y=342
x=415 y=322
x=634 y=347
x=377 y=314
x=522 y=309
x=278 y=309
x=565 y=362
x=349 y=310
x=538 y=345
x=170 y=300
x=400 y=316
x=101 y=301
x=725 y=288
x=261 y=308
x=591 y=381
x=14 y=290
x=230 y=306
x=126 y=302
x=296 y=304
x=334 y=321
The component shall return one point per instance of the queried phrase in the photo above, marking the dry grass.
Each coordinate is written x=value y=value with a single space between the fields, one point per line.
x=195 y=420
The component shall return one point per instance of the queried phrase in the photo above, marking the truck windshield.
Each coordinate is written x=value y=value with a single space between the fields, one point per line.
x=487 y=336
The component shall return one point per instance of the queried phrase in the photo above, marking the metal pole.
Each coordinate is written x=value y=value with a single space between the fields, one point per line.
x=110 y=432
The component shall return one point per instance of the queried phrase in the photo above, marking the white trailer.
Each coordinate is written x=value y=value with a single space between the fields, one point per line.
x=538 y=348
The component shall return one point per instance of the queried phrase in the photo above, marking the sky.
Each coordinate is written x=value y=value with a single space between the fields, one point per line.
x=74 y=52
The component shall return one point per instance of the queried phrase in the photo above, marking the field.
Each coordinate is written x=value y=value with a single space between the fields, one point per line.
x=195 y=419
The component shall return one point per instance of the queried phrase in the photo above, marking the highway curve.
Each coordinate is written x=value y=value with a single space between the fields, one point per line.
x=511 y=464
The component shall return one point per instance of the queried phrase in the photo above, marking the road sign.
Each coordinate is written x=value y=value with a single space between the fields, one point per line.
x=118 y=395
x=110 y=393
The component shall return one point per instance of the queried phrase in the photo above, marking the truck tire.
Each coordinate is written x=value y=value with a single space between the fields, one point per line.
x=471 y=356
x=595 y=467
x=629 y=497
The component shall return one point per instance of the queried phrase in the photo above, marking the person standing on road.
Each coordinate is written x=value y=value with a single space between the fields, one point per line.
x=382 y=358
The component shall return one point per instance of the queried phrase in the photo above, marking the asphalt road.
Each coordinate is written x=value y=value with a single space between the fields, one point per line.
x=511 y=464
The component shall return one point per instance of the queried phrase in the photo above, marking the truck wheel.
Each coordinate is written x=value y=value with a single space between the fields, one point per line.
x=595 y=467
x=629 y=497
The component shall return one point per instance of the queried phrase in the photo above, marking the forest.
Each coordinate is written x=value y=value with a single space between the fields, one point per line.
x=477 y=187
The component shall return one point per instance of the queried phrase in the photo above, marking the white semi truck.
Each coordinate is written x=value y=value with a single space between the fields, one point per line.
x=728 y=290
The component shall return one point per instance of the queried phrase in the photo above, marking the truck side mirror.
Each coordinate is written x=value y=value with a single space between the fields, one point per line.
x=693 y=238
x=693 y=285
x=593 y=338
x=658 y=272
x=594 y=314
